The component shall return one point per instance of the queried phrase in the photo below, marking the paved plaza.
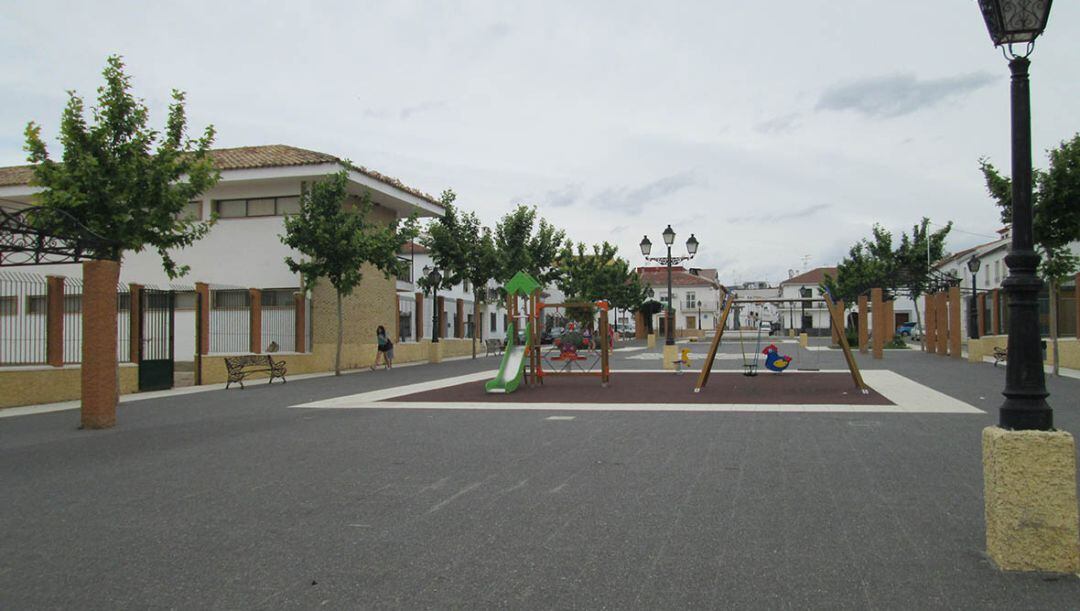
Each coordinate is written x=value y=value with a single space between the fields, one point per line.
x=366 y=490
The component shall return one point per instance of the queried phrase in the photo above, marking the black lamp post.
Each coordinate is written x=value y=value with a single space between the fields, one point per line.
x=434 y=276
x=1012 y=22
x=691 y=249
x=699 y=325
x=973 y=265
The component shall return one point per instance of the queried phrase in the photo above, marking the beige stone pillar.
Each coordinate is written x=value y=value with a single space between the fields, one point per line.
x=134 y=321
x=954 y=322
x=202 y=290
x=419 y=301
x=255 y=321
x=100 y=376
x=930 y=320
x=878 y=337
x=459 y=322
x=864 y=323
x=54 y=321
x=300 y=318
x=995 y=312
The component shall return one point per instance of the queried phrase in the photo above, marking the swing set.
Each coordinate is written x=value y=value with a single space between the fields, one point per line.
x=773 y=359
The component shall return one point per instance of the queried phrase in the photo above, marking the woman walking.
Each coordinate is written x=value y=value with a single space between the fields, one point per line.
x=386 y=349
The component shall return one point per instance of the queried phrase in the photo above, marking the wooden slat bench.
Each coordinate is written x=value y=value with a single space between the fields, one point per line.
x=999 y=355
x=239 y=367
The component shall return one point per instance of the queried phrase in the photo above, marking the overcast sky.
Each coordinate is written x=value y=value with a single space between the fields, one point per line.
x=777 y=132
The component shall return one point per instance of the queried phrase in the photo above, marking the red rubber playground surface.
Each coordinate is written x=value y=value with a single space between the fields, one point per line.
x=809 y=388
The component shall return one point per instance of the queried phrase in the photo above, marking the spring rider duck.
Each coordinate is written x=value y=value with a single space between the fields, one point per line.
x=774 y=361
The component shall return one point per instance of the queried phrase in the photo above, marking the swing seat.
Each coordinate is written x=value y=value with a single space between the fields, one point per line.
x=749 y=369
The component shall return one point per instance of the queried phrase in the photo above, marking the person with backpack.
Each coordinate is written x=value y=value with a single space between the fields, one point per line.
x=386 y=349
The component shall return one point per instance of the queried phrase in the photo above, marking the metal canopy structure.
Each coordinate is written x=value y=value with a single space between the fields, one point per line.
x=24 y=242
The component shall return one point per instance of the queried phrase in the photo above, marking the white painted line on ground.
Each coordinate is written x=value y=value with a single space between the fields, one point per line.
x=560 y=417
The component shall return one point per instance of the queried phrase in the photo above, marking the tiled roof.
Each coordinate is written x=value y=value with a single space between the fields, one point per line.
x=413 y=248
x=246 y=158
x=813 y=276
x=656 y=277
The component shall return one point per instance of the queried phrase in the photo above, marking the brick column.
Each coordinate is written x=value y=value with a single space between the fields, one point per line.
x=478 y=320
x=1077 y=296
x=300 y=318
x=255 y=321
x=134 y=321
x=100 y=376
x=890 y=321
x=419 y=316
x=459 y=323
x=54 y=321
x=995 y=312
x=980 y=313
x=878 y=336
x=202 y=290
x=942 y=309
x=864 y=322
x=954 y=322
x=440 y=308
x=930 y=320
x=640 y=332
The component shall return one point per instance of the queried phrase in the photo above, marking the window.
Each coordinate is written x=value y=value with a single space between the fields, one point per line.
x=231 y=300
x=37 y=304
x=263 y=206
x=185 y=300
x=277 y=298
x=465 y=286
x=72 y=304
x=986 y=274
x=494 y=320
x=506 y=320
x=9 y=305
x=157 y=301
x=123 y=302
x=192 y=211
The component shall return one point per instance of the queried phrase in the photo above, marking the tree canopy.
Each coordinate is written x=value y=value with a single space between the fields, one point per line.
x=526 y=245
x=118 y=178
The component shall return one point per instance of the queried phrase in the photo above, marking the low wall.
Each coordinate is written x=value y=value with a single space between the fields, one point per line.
x=44 y=384
x=984 y=346
x=353 y=356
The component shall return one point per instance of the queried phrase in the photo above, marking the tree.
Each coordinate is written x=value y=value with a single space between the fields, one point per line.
x=120 y=179
x=519 y=249
x=464 y=250
x=336 y=240
x=1056 y=218
x=599 y=274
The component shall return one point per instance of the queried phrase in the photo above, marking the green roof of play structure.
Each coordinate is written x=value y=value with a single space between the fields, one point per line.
x=522 y=284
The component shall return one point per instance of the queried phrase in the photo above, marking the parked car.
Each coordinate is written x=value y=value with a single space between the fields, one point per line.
x=909 y=329
x=551 y=335
x=768 y=328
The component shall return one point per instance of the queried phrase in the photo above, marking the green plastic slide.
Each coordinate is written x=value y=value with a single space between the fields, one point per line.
x=512 y=369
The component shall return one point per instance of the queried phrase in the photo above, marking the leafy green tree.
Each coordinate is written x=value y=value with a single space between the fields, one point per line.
x=598 y=274
x=336 y=240
x=1056 y=222
x=523 y=244
x=118 y=178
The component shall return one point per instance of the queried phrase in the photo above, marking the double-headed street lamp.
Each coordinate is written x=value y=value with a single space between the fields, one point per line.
x=1020 y=22
x=973 y=265
x=691 y=249
x=434 y=277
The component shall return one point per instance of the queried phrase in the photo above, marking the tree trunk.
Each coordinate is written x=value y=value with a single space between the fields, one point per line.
x=1053 y=325
x=340 y=335
x=918 y=324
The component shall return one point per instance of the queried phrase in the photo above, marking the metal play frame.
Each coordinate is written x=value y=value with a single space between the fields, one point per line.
x=835 y=315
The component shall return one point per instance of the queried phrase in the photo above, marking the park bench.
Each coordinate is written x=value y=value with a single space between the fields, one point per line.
x=999 y=355
x=495 y=346
x=239 y=367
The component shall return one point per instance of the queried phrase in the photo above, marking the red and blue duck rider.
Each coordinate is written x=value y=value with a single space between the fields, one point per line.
x=774 y=361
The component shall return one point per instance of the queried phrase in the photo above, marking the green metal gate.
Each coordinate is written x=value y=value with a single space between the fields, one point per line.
x=156 y=337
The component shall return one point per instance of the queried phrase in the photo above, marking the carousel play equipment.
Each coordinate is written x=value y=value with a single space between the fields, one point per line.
x=778 y=362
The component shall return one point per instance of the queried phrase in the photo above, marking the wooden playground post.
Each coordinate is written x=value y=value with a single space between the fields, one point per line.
x=995 y=313
x=890 y=321
x=836 y=315
x=930 y=319
x=706 y=366
x=605 y=346
x=954 y=322
x=941 y=308
x=864 y=323
x=878 y=336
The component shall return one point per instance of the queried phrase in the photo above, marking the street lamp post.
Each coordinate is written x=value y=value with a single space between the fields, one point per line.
x=434 y=276
x=1014 y=22
x=973 y=265
x=699 y=325
x=691 y=249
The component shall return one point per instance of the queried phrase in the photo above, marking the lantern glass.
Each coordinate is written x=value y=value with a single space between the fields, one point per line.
x=646 y=246
x=1015 y=21
x=691 y=245
x=974 y=264
x=669 y=236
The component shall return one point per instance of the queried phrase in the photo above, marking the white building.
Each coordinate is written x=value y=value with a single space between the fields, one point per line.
x=749 y=315
x=808 y=314
x=695 y=293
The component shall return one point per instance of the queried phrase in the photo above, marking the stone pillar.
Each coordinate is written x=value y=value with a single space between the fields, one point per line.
x=995 y=312
x=134 y=321
x=942 y=310
x=255 y=320
x=930 y=320
x=100 y=376
x=441 y=309
x=54 y=321
x=300 y=318
x=419 y=301
x=459 y=322
x=878 y=336
x=954 y=322
x=980 y=313
x=202 y=290
x=864 y=322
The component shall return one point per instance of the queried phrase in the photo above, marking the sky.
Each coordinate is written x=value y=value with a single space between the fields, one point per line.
x=778 y=133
